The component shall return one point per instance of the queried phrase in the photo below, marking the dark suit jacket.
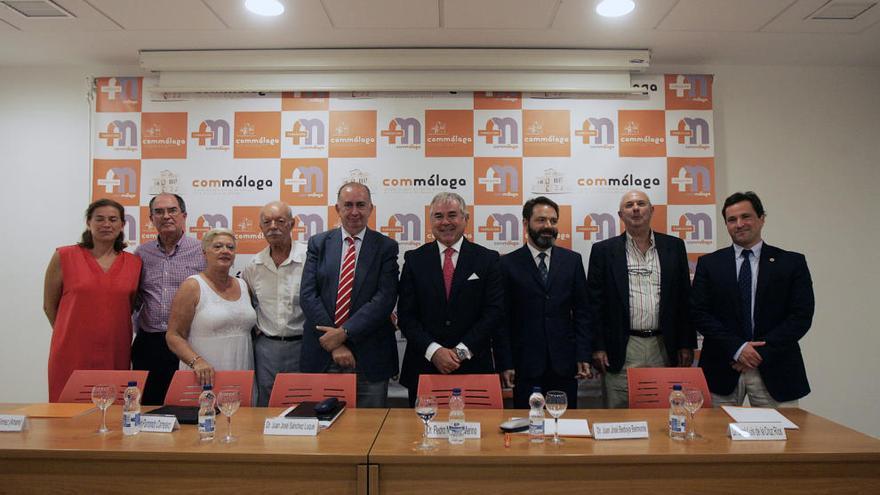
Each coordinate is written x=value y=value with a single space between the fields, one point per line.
x=471 y=316
x=544 y=323
x=371 y=333
x=784 y=305
x=608 y=285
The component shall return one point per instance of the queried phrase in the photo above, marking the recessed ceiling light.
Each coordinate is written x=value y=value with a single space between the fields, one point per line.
x=615 y=8
x=264 y=7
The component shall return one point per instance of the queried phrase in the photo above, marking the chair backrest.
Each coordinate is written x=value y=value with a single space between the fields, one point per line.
x=293 y=388
x=79 y=386
x=479 y=391
x=650 y=387
x=184 y=389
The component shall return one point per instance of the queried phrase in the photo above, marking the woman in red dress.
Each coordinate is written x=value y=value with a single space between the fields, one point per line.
x=88 y=297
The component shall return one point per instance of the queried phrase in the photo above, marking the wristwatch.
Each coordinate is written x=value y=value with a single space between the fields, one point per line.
x=461 y=353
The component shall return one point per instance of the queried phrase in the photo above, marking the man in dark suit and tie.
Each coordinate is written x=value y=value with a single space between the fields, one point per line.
x=545 y=340
x=638 y=286
x=348 y=291
x=450 y=299
x=752 y=302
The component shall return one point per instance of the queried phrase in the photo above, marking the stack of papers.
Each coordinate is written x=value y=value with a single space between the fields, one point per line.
x=758 y=415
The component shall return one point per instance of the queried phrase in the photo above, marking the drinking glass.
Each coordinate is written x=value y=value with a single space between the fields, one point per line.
x=426 y=409
x=229 y=401
x=103 y=396
x=556 y=403
x=693 y=400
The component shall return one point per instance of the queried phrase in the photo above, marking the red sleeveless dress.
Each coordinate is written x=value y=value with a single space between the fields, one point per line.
x=93 y=325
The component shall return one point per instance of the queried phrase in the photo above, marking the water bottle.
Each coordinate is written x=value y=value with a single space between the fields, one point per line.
x=677 y=414
x=456 y=417
x=207 y=413
x=131 y=410
x=536 y=416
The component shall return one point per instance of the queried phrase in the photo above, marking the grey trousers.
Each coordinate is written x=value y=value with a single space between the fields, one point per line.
x=270 y=358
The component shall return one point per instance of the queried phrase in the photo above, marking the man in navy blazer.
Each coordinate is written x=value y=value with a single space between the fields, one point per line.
x=752 y=302
x=450 y=302
x=638 y=286
x=545 y=341
x=351 y=330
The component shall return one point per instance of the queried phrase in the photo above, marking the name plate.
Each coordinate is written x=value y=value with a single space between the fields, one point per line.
x=616 y=431
x=13 y=422
x=159 y=423
x=757 y=431
x=440 y=429
x=295 y=427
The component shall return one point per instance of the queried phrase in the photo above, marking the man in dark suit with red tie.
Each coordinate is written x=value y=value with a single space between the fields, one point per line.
x=752 y=302
x=545 y=341
x=450 y=301
x=347 y=293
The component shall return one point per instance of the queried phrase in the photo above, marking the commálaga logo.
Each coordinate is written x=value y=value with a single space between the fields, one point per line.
x=504 y=225
x=426 y=184
x=307 y=225
x=121 y=135
x=212 y=134
x=597 y=132
x=404 y=227
x=692 y=132
x=404 y=132
x=208 y=221
x=501 y=131
x=308 y=132
x=694 y=179
x=694 y=227
x=598 y=226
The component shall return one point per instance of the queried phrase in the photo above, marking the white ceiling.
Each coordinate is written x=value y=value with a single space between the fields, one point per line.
x=678 y=32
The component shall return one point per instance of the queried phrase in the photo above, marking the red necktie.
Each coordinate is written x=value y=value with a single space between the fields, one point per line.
x=346 y=282
x=448 y=270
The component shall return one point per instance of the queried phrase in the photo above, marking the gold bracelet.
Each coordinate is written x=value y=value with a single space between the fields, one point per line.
x=192 y=362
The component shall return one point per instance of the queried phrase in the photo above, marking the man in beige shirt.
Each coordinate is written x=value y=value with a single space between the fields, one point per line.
x=273 y=277
x=638 y=285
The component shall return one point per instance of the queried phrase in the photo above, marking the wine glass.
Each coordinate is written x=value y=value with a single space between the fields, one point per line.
x=426 y=408
x=556 y=403
x=693 y=400
x=229 y=401
x=103 y=396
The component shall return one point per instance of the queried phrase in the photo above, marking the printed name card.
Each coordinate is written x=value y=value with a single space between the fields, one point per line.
x=297 y=427
x=616 y=431
x=159 y=423
x=13 y=422
x=440 y=429
x=757 y=431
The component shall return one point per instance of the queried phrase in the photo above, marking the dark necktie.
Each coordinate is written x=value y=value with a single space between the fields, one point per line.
x=448 y=270
x=745 y=290
x=542 y=267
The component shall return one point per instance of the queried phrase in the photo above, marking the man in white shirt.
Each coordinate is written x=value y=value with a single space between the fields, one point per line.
x=273 y=277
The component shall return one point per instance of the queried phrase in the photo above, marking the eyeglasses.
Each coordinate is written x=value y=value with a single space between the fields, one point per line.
x=162 y=211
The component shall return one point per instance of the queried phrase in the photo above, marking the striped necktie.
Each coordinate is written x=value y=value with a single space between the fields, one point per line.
x=346 y=283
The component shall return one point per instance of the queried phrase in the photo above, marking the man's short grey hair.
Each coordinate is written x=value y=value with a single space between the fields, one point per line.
x=284 y=207
x=209 y=237
x=450 y=196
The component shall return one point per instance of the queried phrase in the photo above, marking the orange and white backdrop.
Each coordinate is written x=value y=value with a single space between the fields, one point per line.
x=229 y=154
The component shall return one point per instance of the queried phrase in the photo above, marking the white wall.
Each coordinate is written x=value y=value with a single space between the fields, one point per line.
x=806 y=139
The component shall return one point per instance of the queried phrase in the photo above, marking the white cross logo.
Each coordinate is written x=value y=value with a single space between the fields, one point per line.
x=111 y=89
x=490 y=180
x=682 y=180
x=295 y=181
x=109 y=182
x=680 y=86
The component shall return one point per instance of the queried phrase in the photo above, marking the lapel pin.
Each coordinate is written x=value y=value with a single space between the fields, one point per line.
x=772 y=260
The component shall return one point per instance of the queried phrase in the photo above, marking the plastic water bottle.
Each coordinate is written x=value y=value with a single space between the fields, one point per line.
x=677 y=414
x=207 y=413
x=131 y=410
x=536 y=416
x=456 y=417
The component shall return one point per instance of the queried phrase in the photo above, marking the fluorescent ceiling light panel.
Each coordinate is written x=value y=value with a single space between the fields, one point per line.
x=265 y=7
x=615 y=8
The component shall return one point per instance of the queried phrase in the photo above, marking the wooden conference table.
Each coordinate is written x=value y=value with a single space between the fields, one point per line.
x=371 y=451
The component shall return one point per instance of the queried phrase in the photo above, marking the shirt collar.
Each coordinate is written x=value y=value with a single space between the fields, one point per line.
x=756 y=250
x=456 y=246
x=176 y=244
x=359 y=235
x=535 y=251
x=631 y=240
x=297 y=255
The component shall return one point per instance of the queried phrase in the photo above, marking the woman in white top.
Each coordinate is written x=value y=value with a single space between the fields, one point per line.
x=211 y=317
